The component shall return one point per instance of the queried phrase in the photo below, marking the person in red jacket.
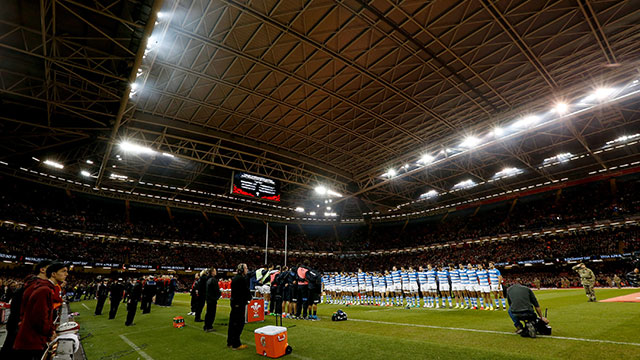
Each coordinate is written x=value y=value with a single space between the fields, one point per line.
x=37 y=313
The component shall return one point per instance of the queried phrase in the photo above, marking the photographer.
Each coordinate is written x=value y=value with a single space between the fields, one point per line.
x=522 y=303
x=633 y=277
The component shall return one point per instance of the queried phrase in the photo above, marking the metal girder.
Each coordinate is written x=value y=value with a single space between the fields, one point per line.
x=157 y=4
x=592 y=19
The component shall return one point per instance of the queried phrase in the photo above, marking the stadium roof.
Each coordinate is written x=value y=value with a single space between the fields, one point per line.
x=403 y=107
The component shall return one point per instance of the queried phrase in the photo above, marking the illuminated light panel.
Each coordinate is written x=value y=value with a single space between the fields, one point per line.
x=507 y=172
x=53 y=164
x=622 y=139
x=89 y=162
x=119 y=177
x=300 y=209
x=429 y=194
x=321 y=190
x=85 y=173
x=313 y=213
x=426 y=159
x=168 y=155
x=498 y=132
x=466 y=184
x=564 y=157
x=135 y=148
x=469 y=142
x=390 y=173
x=561 y=108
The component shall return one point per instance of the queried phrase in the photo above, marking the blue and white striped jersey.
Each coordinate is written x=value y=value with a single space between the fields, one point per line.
x=494 y=276
x=422 y=277
x=473 y=276
x=368 y=280
x=431 y=276
x=464 y=279
x=405 y=277
x=388 y=279
x=413 y=277
x=443 y=277
x=381 y=281
x=455 y=276
x=397 y=277
x=361 y=278
x=483 y=277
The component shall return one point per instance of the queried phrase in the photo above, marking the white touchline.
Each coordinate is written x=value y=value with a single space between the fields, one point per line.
x=86 y=307
x=497 y=332
x=136 y=348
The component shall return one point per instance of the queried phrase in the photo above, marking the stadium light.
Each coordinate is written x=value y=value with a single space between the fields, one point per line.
x=300 y=209
x=330 y=214
x=329 y=208
x=426 y=159
x=168 y=155
x=135 y=148
x=429 y=194
x=603 y=93
x=313 y=213
x=497 y=132
x=53 y=164
x=390 y=173
x=35 y=158
x=118 y=177
x=85 y=173
x=561 y=108
x=469 y=142
x=321 y=190
x=466 y=184
x=622 y=139
x=507 y=172
x=89 y=162
x=526 y=122
x=564 y=157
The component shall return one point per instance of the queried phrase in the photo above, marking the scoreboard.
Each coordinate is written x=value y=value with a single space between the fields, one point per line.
x=255 y=186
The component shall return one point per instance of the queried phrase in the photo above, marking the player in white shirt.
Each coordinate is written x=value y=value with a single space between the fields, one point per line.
x=414 y=299
x=483 y=293
x=378 y=289
x=456 y=286
x=406 y=290
x=496 y=286
x=368 y=282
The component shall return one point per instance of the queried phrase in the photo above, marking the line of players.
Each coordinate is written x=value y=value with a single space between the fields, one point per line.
x=466 y=287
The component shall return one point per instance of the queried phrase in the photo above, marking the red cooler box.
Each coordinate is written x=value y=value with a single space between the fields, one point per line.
x=271 y=341
x=254 y=311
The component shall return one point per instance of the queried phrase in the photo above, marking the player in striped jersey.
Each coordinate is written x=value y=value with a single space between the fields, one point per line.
x=464 y=283
x=413 y=300
x=455 y=286
x=496 y=286
x=388 y=295
x=324 y=289
x=432 y=287
x=483 y=293
x=397 y=286
x=422 y=282
x=473 y=286
x=443 y=284
x=406 y=291
x=361 y=287
x=353 y=288
x=368 y=286
x=378 y=289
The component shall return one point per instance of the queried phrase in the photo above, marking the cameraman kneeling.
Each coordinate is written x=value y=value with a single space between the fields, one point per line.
x=522 y=303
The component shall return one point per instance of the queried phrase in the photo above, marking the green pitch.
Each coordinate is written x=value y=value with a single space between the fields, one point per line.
x=581 y=330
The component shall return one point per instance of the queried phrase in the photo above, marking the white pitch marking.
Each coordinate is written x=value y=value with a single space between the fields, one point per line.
x=86 y=307
x=136 y=348
x=498 y=332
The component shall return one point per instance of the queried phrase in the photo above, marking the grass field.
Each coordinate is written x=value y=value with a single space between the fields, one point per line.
x=581 y=330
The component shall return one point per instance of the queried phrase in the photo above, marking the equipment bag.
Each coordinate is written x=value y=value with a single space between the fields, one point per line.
x=339 y=316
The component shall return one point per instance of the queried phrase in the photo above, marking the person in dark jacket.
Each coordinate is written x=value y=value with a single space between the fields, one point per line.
x=102 y=294
x=172 y=287
x=201 y=285
x=135 y=293
x=40 y=272
x=37 y=313
x=149 y=290
x=240 y=297
x=522 y=303
x=194 y=295
x=115 y=296
x=160 y=291
x=212 y=296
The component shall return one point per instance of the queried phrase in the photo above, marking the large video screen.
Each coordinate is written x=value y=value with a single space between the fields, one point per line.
x=255 y=186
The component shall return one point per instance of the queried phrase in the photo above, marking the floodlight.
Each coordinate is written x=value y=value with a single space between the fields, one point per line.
x=497 y=132
x=466 y=184
x=321 y=190
x=561 y=108
x=299 y=209
x=313 y=213
x=168 y=155
x=526 y=122
x=135 y=148
x=85 y=173
x=469 y=142
x=603 y=93
x=426 y=159
x=53 y=164
x=429 y=194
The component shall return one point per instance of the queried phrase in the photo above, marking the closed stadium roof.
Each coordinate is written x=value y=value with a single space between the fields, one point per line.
x=401 y=107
